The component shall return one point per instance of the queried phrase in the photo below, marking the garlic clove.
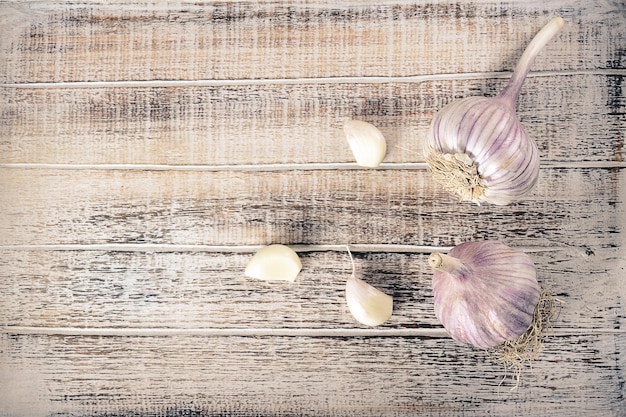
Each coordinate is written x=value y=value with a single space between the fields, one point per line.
x=367 y=143
x=367 y=304
x=485 y=293
x=274 y=263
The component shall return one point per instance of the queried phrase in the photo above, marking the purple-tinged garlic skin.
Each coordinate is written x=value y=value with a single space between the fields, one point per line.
x=485 y=292
x=505 y=160
x=477 y=148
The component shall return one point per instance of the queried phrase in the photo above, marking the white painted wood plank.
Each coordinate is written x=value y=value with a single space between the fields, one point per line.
x=237 y=40
x=573 y=207
x=573 y=119
x=198 y=290
x=574 y=376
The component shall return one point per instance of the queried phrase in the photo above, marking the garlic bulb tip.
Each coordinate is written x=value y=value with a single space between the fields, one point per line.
x=435 y=260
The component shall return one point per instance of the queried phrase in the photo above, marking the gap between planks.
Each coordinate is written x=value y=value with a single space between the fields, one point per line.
x=357 y=248
x=281 y=167
x=165 y=332
x=308 y=81
x=300 y=332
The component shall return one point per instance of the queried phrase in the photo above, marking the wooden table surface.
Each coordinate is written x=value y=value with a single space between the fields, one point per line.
x=148 y=149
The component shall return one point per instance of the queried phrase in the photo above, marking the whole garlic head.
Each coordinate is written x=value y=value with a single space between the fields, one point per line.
x=485 y=292
x=477 y=148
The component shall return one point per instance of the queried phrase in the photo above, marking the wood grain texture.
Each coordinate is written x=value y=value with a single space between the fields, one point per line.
x=298 y=207
x=277 y=40
x=207 y=290
x=179 y=376
x=147 y=149
x=301 y=123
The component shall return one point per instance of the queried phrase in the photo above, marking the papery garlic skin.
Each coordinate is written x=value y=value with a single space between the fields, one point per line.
x=485 y=293
x=476 y=147
x=367 y=304
x=274 y=263
x=367 y=143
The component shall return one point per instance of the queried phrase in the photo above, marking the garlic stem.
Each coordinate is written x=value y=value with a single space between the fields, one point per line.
x=446 y=263
x=351 y=260
x=512 y=90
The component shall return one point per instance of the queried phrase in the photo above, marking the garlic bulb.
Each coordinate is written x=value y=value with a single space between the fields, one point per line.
x=485 y=292
x=367 y=304
x=274 y=263
x=477 y=148
x=367 y=143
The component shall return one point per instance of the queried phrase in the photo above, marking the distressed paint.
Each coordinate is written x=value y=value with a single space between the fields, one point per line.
x=298 y=207
x=343 y=376
x=198 y=289
x=147 y=148
x=251 y=40
x=235 y=124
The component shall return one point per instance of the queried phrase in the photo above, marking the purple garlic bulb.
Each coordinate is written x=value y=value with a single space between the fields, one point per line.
x=477 y=148
x=485 y=292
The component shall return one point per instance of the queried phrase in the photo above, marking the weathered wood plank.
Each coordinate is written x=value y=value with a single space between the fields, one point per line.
x=53 y=42
x=569 y=207
x=236 y=376
x=199 y=290
x=263 y=124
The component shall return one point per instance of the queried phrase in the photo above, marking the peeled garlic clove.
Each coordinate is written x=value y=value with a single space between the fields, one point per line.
x=477 y=148
x=367 y=304
x=366 y=142
x=274 y=263
x=485 y=292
